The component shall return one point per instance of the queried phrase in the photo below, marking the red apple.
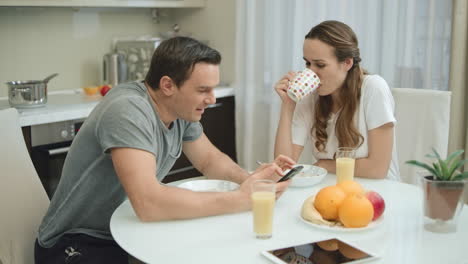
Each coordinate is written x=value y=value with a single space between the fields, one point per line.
x=105 y=89
x=377 y=202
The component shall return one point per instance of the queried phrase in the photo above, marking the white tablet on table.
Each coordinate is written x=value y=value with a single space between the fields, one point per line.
x=332 y=250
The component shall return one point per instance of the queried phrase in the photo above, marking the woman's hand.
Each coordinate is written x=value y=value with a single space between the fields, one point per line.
x=328 y=164
x=284 y=162
x=282 y=86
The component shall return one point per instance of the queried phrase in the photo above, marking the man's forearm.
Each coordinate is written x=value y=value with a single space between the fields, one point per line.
x=170 y=203
x=222 y=167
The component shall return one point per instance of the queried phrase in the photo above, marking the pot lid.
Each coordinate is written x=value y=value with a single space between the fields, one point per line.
x=46 y=80
x=25 y=82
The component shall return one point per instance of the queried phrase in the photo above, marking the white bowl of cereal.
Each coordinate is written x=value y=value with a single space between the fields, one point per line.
x=308 y=176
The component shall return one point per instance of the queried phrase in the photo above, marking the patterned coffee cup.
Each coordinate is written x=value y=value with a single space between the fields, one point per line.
x=304 y=83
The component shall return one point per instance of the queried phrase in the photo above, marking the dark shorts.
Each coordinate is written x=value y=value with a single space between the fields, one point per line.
x=80 y=248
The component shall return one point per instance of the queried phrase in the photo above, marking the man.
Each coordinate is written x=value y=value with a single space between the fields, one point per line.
x=136 y=133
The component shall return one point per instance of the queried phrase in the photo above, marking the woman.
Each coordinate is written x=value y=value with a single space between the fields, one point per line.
x=349 y=109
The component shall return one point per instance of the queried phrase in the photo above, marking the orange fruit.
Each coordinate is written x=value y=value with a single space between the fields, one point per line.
x=356 y=211
x=328 y=200
x=328 y=245
x=349 y=251
x=351 y=187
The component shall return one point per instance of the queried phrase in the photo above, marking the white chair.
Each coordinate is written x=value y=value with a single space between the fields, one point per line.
x=23 y=200
x=423 y=120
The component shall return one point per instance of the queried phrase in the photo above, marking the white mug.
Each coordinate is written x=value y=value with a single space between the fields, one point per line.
x=304 y=83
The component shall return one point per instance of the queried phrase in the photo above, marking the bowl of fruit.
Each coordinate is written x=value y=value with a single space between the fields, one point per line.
x=346 y=206
x=94 y=90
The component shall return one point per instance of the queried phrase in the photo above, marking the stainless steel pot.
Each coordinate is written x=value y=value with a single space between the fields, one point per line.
x=28 y=94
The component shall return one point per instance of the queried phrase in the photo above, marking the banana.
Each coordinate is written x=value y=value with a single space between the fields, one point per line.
x=311 y=214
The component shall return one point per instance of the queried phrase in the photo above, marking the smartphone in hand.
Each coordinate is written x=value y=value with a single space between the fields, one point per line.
x=293 y=172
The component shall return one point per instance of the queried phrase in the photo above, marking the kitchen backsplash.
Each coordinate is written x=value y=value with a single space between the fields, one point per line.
x=39 y=41
x=36 y=42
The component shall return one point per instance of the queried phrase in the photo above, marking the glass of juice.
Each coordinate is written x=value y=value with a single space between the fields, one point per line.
x=345 y=164
x=263 y=203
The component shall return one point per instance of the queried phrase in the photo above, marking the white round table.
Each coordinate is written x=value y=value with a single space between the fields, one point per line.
x=400 y=238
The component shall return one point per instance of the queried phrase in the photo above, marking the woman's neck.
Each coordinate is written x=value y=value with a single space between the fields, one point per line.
x=336 y=102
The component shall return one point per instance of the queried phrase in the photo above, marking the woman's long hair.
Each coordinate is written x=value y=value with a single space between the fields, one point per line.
x=342 y=38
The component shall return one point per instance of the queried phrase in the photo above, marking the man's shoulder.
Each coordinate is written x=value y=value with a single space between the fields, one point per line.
x=127 y=96
x=126 y=91
x=135 y=87
x=182 y=124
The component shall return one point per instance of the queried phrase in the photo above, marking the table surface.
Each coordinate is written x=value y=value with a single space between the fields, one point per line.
x=400 y=238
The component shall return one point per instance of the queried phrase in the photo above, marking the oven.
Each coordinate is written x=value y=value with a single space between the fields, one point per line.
x=49 y=147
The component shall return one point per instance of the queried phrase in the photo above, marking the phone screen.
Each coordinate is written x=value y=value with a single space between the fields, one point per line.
x=291 y=173
x=333 y=251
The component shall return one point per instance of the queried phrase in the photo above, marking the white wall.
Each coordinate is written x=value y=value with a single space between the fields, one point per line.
x=36 y=42
x=217 y=24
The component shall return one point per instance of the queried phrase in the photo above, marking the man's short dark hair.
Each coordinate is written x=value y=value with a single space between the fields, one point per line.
x=176 y=58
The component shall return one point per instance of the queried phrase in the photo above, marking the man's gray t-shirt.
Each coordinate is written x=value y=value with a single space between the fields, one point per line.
x=89 y=190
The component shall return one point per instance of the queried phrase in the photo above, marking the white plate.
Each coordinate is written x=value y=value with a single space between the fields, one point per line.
x=308 y=176
x=209 y=186
x=372 y=225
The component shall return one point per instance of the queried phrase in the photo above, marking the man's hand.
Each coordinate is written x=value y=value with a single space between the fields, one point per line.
x=270 y=171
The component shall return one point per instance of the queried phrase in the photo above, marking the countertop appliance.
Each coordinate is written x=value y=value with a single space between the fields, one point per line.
x=114 y=69
x=137 y=55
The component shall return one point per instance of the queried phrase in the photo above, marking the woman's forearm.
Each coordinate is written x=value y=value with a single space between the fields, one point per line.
x=368 y=168
x=283 y=141
x=363 y=167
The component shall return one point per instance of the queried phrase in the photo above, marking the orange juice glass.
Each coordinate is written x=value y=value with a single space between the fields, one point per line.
x=345 y=159
x=263 y=204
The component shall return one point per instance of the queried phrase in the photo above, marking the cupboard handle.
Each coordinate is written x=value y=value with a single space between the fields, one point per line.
x=215 y=105
x=57 y=151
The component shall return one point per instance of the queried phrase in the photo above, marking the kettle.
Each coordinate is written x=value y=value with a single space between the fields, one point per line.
x=114 y=69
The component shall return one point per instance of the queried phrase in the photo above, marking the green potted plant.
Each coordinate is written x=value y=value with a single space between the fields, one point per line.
x=443 y=185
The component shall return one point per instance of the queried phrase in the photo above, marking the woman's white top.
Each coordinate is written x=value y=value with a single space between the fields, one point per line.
x=376 y=108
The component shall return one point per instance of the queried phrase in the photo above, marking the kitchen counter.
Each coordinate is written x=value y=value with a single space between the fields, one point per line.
x=70 y=105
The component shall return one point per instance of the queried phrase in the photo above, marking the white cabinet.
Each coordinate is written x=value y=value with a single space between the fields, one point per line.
x=105 y=3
